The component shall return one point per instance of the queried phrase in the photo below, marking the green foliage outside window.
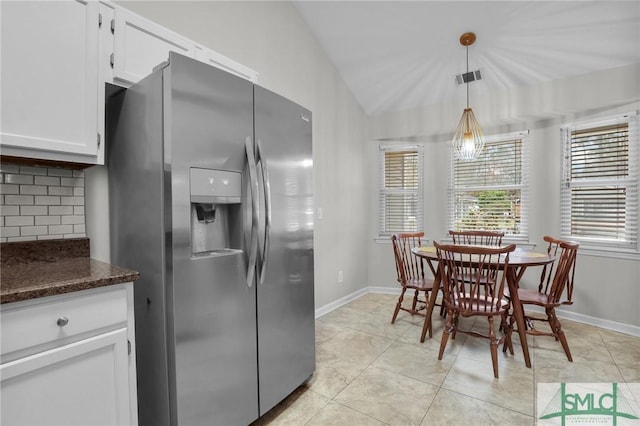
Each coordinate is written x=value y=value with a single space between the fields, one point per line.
x=489 y=209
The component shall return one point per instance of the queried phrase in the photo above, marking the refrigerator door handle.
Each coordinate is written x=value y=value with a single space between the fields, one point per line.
x=253 y=178
x=267 y=211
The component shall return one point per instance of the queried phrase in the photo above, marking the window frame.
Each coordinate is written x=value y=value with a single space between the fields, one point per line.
x=630 y=245
x=383 y=233
x=523 y=186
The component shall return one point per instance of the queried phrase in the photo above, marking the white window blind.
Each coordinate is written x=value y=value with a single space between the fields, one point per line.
x=491 y=192
x=401 y=189
x=600 y=183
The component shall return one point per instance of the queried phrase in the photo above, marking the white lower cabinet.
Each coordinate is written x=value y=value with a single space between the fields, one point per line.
x=84 y=383
x=66 y=360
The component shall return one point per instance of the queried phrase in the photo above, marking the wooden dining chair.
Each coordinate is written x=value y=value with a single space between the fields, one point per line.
x=411 y=274
x=470 y=296
x=477 y=237
x=555 y=289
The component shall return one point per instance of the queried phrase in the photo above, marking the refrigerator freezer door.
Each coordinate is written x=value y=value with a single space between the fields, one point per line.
x=135 y=158
x=285 y=302
x=208 y=117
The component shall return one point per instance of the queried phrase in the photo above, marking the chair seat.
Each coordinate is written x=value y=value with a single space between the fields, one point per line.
x=481 y=305
x=533 y=297
x=420 y=284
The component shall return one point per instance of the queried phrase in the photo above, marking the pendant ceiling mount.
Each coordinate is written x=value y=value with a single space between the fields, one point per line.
x=467 y=39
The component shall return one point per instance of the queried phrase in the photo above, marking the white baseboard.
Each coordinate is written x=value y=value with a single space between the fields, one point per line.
x=340 y=302
x=620 y=327
x=383 y=290
x=589 y=320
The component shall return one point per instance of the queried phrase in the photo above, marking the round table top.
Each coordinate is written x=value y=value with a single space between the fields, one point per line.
x=519 y=257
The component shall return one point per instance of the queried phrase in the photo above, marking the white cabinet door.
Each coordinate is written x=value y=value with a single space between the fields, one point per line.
x=49 y=79
x=83 y=383
x=141 y=45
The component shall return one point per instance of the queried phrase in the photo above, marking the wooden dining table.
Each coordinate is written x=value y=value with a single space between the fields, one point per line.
x=519 y=261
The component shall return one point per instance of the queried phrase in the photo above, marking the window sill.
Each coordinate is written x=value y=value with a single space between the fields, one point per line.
x=387 y=240
x=608 y=252
x=427 y=242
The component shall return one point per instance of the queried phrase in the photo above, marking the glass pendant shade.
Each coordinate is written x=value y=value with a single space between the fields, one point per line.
x=468 y=141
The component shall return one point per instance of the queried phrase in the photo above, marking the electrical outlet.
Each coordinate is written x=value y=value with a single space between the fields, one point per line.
x=340 y=277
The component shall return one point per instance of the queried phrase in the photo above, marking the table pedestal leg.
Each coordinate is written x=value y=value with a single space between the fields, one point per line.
x=432 y=302
x=518 y=313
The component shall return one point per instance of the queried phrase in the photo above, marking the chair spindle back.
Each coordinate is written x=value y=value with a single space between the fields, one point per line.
x=561 y=290
x=477 y=237
x=466 y=272
x=408 y=266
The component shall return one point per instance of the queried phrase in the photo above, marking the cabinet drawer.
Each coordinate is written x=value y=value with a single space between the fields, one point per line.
x=60 y=318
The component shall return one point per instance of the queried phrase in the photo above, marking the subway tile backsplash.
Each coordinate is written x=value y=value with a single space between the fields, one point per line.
x=40 y=203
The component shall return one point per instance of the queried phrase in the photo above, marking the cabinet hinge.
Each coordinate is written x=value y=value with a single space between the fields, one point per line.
x=99 y=20
x=113 y=26
x=99 y=141
x=111 y=60
x=129 y=346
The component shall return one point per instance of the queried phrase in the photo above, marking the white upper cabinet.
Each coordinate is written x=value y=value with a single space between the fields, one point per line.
x=49 y=80
x=57 y=57
x=141 y=45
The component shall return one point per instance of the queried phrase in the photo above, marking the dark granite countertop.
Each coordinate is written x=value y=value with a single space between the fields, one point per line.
x=35 y=269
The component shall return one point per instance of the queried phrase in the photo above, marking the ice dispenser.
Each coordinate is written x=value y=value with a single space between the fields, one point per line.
x=215 y=204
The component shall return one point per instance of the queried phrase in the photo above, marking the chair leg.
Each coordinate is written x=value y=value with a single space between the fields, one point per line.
x=414 y=304
x=565 y=345
x=455 y=319
x=556 y=328
x=503 y=319
x=448 y=328
x=507 y=329
x=395 y=313
x=493 y=344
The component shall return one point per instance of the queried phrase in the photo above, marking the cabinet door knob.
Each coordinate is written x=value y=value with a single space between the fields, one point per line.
x=62 y=321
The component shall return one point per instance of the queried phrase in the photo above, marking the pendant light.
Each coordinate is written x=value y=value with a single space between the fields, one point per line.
x=468 y=140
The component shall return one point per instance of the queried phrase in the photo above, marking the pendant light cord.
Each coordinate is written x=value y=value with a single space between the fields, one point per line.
x=467 y=75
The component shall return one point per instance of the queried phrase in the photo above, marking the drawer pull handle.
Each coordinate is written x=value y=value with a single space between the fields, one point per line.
x=62 y=321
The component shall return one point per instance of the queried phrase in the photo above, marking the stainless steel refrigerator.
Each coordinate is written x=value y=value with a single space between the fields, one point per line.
x=210 y=191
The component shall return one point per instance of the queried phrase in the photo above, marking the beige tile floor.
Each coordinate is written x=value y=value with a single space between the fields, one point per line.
x=371 y=372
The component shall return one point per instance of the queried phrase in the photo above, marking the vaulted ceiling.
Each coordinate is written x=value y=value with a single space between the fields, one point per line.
x=399 y=55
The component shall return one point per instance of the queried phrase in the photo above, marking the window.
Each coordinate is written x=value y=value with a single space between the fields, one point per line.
x=599 y=193
x=401 y=189
x=491 y=191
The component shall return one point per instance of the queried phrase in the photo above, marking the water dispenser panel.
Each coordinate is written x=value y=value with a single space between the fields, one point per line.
x=215 y=186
